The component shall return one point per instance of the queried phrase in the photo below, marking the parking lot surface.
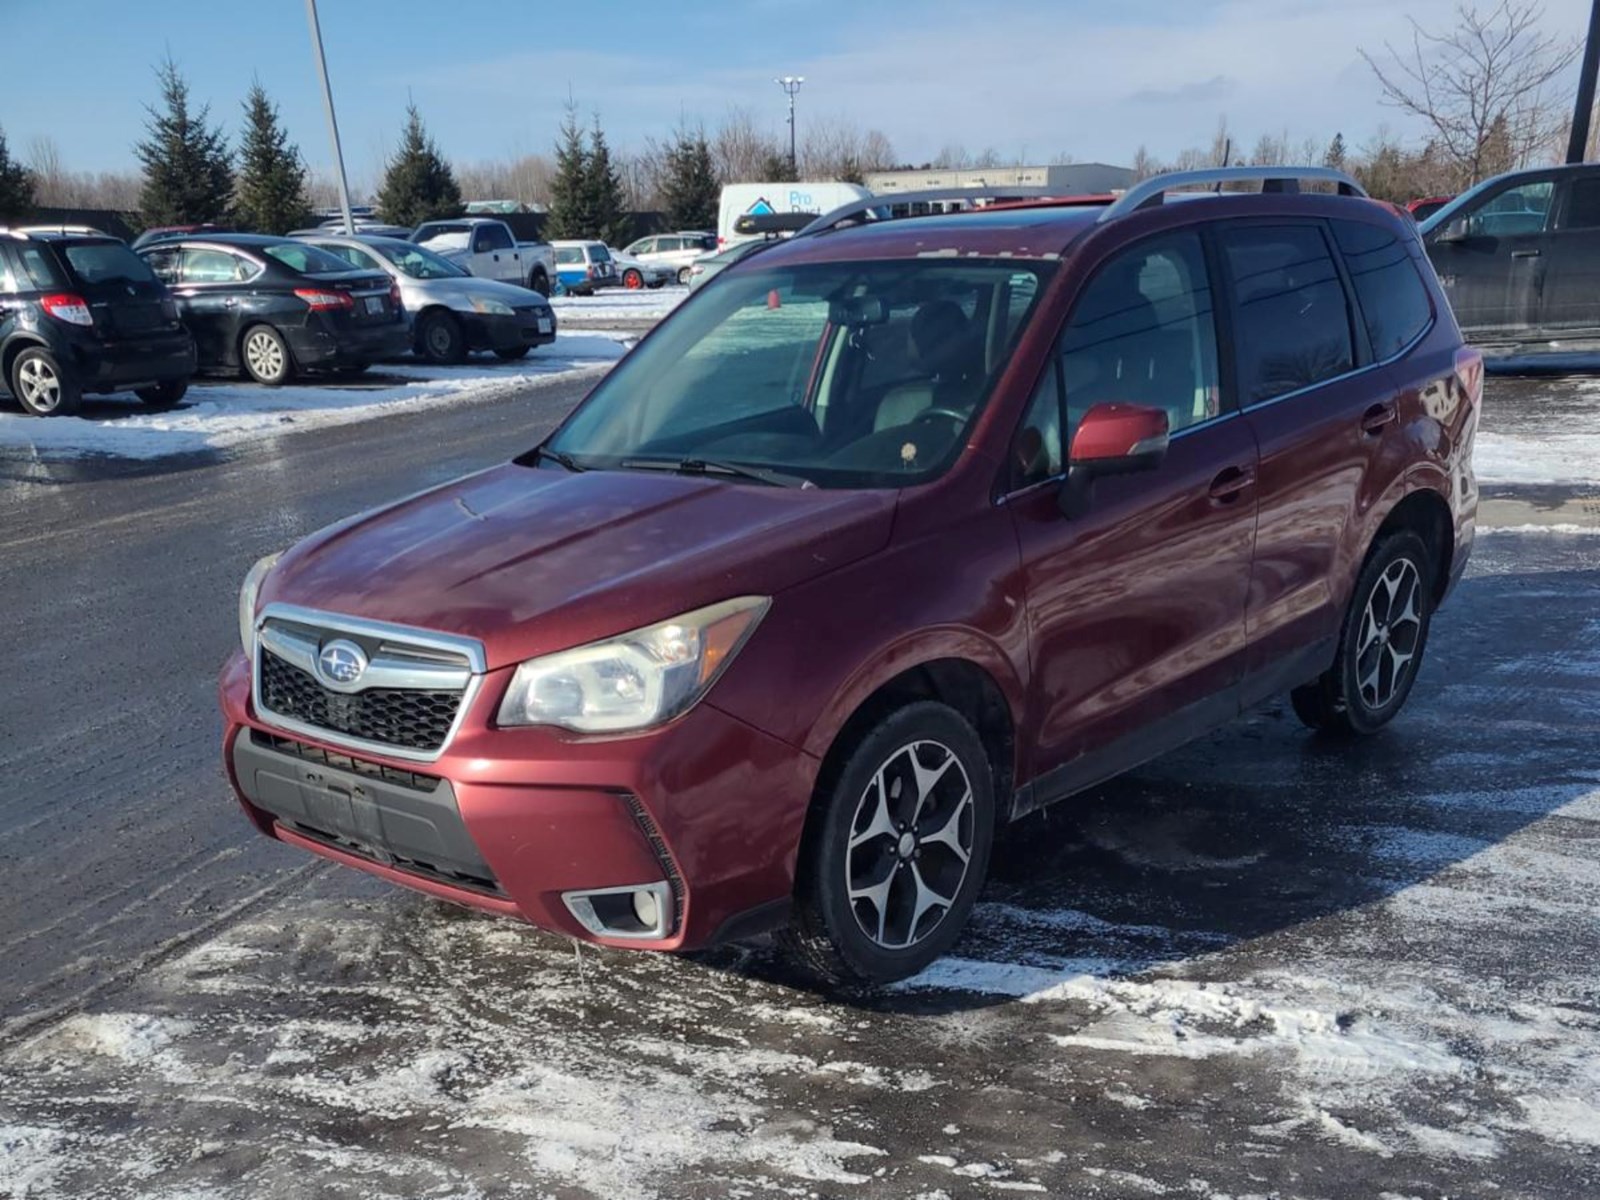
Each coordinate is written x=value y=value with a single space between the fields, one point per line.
x=1266 y=965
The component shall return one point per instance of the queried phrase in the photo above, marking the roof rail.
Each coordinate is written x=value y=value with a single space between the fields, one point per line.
x=1152 y=192
x=888 y=199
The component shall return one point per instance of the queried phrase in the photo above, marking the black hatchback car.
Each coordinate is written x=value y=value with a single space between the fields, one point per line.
x=274 y=306
x=80 y=312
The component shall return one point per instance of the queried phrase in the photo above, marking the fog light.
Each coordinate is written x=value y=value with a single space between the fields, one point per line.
x=639 y=912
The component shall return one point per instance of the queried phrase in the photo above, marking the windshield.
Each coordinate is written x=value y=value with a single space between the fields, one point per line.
x=417 y=262
x=843 y=374
x=308 y=260
x=108 y=262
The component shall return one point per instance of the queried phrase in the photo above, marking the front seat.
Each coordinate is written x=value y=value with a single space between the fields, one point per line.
x=939 y=335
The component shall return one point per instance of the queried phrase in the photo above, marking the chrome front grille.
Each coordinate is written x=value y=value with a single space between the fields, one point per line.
x=405 y=703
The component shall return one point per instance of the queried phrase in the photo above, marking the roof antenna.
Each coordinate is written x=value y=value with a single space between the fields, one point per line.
x=1227 y=156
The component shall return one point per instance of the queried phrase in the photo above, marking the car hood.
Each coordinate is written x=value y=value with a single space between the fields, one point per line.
x=530 y=561
x=457 y=292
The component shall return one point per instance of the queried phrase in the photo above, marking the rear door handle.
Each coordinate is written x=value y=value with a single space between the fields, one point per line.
x=1524 y=254
x=1376 y=417
x=1231 y=483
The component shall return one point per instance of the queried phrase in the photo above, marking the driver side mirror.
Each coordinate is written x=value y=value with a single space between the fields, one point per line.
x=1456 y=231
x=1112 y=439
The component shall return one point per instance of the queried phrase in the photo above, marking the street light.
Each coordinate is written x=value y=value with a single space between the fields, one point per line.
x=333 y=121
x=791 y=84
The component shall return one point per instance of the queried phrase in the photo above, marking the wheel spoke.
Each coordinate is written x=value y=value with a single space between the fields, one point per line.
x=926 y=899
x=877 y=895
x=949 y=833
x=881 y=825
x=927 y=779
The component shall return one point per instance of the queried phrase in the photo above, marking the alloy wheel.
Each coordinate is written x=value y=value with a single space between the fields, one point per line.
x=40 y=385
x=911 y=841
x=264 y=355
x=1391 y=629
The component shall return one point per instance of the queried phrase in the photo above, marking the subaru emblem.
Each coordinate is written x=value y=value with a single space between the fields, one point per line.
x=342 y=662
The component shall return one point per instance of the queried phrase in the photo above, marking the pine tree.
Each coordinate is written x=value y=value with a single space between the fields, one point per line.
x=689 y=186
x=16 y=185
x=272 y=179
x=775 y=168
x=571 y=215
x=608 y=206
x=188 y=169
x=418 y=185
x=1336 y=155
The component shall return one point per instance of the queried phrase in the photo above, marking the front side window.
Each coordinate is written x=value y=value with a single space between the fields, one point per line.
x=1292 y=321
x=1517 y=210
x=1143 y=332
x=1036 y=452
x=861 y=374
x=1394 y=302
x=419 y=263
x=642 y=246
x=165 y=263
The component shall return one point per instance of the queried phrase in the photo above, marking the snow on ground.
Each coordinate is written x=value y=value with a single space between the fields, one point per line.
x=218 y=414
x=620 y=304
x=1539 y=430
x=1268 y=964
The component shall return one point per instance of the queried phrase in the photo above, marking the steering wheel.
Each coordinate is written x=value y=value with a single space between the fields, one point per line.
x=949 y=414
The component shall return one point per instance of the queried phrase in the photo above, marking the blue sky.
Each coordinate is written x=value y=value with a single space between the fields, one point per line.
x=1032 y=78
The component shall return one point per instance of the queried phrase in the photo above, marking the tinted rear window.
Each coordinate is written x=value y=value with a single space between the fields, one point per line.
x=1293 y=322
x=308 y=260
x=107 y=262
x=1394 y=302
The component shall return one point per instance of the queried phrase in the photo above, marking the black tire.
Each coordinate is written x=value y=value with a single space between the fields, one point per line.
x=829 y=938
x=41 y=386
x=440 y=338
x=539 y=282
x=163 y=395
x=683 y=276
x=266 y=356
x=513 y=355
x=1390 y=612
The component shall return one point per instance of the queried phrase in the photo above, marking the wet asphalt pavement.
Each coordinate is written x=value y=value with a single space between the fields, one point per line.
x=1266 y=965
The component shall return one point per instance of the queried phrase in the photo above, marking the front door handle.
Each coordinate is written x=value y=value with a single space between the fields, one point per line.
x=1230 y=484
x=1524 y=254
x=1376 y=417
x=230 y=302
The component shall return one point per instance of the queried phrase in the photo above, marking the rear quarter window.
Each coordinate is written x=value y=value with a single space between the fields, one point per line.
x=1394 y=300
x=39 y=268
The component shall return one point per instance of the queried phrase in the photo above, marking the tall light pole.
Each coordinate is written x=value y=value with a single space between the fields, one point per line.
x=333 y=121
x=791 y=84
x=1578 y=144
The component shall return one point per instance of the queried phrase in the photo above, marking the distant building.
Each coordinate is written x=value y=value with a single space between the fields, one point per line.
x=1066 y=179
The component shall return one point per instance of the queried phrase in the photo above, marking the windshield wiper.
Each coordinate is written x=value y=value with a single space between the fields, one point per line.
x=562 y=457
x=706 y=466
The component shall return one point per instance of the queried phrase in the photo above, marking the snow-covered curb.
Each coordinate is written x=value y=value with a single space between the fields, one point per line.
x=221 y=414
x=620 y=304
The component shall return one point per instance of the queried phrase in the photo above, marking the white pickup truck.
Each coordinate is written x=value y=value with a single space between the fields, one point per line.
x=487 y=248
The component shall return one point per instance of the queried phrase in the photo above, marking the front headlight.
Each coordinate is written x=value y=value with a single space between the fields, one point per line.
x=635 y=680
x=247 y=599
x=485 y=304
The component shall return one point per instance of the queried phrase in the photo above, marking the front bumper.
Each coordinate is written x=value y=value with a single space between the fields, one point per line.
x=508 y=820
x=314 y=346
x=108 y=366
x=497 y=331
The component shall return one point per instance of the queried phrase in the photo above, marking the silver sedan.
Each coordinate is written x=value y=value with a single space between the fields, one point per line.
x=452 y=312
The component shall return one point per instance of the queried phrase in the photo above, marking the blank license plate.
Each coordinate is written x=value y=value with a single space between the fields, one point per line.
x=544 y=324
x=374 y=304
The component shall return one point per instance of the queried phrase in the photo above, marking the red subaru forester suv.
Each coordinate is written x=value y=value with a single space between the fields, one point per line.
x=898 y=530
